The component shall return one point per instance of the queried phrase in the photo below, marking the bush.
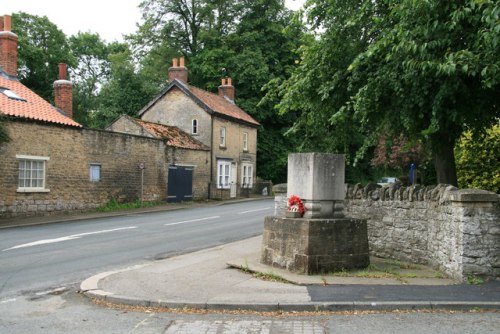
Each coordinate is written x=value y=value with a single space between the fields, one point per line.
x=477 y=160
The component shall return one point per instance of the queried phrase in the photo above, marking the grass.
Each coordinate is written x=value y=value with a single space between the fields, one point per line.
x=388 y=269
x=474 y=280
x=269 y=276
x=114 y=205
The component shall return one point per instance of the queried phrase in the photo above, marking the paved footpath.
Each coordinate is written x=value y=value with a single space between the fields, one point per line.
x=208 y=279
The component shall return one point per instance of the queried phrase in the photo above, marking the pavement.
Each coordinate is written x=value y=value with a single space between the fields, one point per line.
x=231 y=277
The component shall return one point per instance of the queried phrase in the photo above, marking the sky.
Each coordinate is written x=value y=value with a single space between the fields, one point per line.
x=111 y=19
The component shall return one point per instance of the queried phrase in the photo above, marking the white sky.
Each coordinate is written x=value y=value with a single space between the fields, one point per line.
x=109 y=18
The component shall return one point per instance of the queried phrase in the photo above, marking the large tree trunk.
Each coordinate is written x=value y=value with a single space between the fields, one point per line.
x=444 y=160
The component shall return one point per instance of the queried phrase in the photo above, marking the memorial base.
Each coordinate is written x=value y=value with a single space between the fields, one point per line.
x=315 y=246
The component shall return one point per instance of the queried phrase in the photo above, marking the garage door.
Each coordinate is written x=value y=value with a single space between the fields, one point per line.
x=180 y=184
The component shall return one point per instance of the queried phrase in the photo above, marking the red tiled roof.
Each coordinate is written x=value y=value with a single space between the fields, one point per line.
x=173 y=135
x=222 y=106
x=34 y=107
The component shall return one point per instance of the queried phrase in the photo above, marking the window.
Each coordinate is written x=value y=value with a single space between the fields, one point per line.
x=222 y=136
x=194 y=129
x=10 y=94
x=223 y=174
x=95 y=172
x=245 y=141
x=32 y=172
x=246 y=175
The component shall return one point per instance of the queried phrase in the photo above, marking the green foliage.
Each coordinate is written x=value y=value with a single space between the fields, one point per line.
x=42 y=47
x=477 y=160
x=114 y=205
x=251 y=41
x=318 y=93
x=475 y=280
x=424 y=69
x=126 y=91
x=427 y=74
x=89 y=75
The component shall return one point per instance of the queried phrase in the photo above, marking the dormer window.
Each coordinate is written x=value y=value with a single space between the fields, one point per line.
x=194 y=128
x=11 y=95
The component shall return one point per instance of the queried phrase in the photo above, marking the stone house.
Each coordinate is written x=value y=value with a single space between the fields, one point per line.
x=53 y=165
x=212 y=119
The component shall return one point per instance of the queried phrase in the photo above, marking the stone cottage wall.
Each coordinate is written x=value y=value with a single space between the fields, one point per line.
x=457 y=231
x=71 y=151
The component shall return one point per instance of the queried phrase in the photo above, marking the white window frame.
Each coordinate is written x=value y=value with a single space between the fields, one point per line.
x=194 y=127
x=95 y=172
x=245 y=141
x=36 y=172
x=223 y=174
x=246 y=175
x=222 y=136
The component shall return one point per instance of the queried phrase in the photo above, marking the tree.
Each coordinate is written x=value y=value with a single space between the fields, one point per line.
x=423 y=69
x=42 y=47
x=89 y=75
x=477 y=160
x=126 y=91
x=250 y=41
x=319 y=92
x=431 y=73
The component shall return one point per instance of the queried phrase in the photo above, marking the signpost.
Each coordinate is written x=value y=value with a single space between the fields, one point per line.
x=142 y=167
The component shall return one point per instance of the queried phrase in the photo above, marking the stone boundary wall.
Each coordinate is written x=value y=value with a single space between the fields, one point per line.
x=457 y=231
x=71 y=151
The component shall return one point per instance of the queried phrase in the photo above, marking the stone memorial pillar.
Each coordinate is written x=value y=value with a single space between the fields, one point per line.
x=319 y=180
x=322 y=240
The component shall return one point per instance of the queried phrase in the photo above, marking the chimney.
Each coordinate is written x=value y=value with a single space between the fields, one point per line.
x=178 y=72
x=63 y=92
x=226 y=89
x=8 y=47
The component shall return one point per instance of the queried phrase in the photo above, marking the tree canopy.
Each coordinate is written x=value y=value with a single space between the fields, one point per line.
x=427 y=70
x=44 y=46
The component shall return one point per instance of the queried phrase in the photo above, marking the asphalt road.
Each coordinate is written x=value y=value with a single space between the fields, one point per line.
x=51 y=256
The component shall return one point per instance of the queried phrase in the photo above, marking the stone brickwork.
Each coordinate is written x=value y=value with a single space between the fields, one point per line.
x=180 y=110
x=71 y=151
x=457 y=231
x=186 y=110
x=233 y=148
x=201 y=163
x=313 y=246
x=318 y=240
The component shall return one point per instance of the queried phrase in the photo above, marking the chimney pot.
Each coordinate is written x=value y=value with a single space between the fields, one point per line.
x=178 y=72
x=7 y=23
x=63 y=92
x=226 y=89
x=63 y=74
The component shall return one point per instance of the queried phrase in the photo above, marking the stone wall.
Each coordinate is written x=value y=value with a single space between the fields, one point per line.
x=457 y=231
x=71 y=151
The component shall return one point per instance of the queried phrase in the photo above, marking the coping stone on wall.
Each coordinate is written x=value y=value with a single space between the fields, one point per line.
x=473 y=195
x=280 y=188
